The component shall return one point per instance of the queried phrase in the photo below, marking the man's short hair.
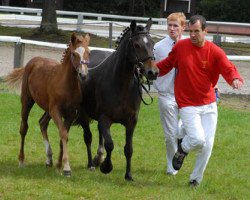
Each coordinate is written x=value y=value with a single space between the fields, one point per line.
x=193 y=19
x=177 y=16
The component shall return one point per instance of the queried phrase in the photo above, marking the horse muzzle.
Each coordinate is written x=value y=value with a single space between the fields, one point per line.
x=151 y=73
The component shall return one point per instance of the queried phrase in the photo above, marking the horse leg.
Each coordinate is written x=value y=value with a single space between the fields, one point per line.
x=44 y=122
x=128 y=150
x=27 y=103
x=88 y=140
x=56 y=116
x=99 y=158
x=104 y=130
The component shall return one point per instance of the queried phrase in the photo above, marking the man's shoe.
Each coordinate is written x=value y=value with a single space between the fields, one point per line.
x=178 y=157
x=193 y=184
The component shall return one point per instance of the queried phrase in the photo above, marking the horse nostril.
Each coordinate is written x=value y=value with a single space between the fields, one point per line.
x=152 y=75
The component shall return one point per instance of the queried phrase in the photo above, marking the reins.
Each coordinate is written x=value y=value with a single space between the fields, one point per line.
x=139 y=76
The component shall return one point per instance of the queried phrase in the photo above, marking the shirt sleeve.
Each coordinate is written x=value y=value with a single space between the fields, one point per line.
x=227 y=69
x=167 y=63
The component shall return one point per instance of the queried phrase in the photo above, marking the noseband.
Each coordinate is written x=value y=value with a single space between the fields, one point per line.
x=82 y=62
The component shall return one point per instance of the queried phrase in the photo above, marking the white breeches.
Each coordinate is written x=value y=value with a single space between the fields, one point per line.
x=169 y=119
x=200 y=125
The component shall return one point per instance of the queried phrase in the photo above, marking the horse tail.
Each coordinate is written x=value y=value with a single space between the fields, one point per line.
x=15 y=78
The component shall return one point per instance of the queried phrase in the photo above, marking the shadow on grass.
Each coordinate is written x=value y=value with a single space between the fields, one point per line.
x=38 y=171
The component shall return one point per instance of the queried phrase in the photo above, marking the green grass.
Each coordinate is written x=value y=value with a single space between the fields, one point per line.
x=59 y=37
x=226 y=177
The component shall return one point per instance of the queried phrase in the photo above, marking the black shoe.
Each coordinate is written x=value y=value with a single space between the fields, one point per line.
x=179 y=141
x=178 y=157
x=193 y=184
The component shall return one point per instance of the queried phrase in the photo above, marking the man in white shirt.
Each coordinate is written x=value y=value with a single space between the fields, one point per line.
x=165 y=86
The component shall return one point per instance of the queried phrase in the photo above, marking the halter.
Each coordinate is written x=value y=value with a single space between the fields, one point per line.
x=140 y=61
x=139 y=68
x=82 y=62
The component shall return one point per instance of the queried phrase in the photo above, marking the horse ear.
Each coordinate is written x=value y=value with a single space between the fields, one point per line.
x=149 y=24
x=133 y=25
x=73 y=37
x=87 y=38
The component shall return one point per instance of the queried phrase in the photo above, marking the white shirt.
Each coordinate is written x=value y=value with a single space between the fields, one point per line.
x=164 y=84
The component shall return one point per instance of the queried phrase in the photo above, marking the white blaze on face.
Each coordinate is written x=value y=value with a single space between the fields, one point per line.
x=80 y=51
x=145 y=40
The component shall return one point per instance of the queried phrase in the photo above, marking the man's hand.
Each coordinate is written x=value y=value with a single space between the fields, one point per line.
x=237 y=84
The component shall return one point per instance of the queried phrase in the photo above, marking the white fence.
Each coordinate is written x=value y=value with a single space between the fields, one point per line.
x=20 y=45
x=214 y=26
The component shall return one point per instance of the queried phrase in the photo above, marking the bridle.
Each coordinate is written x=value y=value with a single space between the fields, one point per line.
x=82 y=62
x=139 y=69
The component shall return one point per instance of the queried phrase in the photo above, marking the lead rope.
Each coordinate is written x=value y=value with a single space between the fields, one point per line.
x=137 y=76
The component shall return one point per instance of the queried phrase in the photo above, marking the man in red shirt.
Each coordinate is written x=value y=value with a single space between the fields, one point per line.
x=199 y=64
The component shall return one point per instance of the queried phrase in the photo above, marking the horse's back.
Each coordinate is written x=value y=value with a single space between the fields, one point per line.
x=97 y=57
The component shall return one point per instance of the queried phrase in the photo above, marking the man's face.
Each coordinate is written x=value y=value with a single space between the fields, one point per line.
x=175 y=29
x=197 y=35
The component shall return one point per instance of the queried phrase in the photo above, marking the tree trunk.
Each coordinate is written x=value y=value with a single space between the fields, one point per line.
x=131 y=7
x=49 y=20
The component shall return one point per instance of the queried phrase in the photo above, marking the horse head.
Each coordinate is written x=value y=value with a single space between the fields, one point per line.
x=141 y=50
x=80 y=54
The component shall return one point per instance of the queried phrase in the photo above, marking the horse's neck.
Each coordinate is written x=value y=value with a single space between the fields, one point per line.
x=67 y=70
x=124 y=70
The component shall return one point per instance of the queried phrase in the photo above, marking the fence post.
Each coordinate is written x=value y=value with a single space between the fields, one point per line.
x=217 y=39
x=79 y=23
x=19 y=54
x=110 y=34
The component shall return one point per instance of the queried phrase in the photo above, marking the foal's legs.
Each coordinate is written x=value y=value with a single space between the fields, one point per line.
x=57 y=117
x=27 y=103
x=104 y=128
x=44 y=122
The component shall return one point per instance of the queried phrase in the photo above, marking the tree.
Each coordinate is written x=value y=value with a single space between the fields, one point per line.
x=226 y=10
x=49 y=20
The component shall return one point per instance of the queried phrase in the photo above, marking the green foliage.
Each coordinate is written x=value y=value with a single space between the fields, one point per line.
x=119 y=7
x=226 y=10
x=226 y=177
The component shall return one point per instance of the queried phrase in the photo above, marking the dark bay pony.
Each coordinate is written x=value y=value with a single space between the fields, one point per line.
x=55 y=87
x=111 y=93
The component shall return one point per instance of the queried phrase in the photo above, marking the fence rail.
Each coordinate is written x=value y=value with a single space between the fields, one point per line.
x=20 y=46
x=214 y=26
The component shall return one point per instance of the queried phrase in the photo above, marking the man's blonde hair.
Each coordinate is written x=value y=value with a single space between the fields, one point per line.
x=177 y=16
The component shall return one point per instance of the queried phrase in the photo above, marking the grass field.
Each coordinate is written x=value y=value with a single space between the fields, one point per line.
x=226 y=177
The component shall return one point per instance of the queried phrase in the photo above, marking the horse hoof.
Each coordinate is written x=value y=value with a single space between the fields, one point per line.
x=128 y=177
x=67 y=173
x=105 y=168
x=92 y=168
x=48 y=165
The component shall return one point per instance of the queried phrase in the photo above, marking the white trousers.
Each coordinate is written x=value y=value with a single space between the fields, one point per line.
x=200 y=125
x=169 y=119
